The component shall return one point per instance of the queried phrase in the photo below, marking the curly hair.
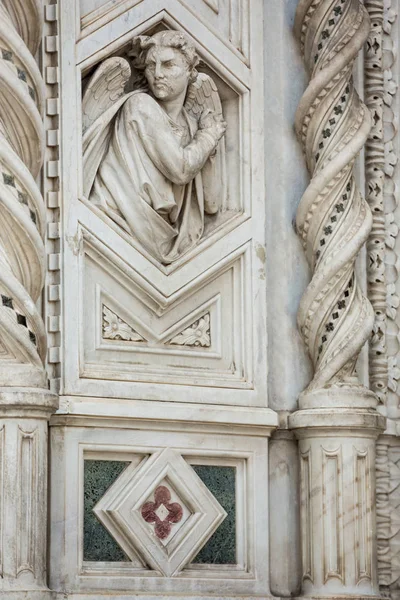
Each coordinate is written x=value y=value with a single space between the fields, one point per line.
x=170 y=39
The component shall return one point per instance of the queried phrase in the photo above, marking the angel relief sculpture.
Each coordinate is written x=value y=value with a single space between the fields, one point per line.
x=154 y=158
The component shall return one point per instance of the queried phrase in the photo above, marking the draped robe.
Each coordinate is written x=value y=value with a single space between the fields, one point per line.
x=144 y=171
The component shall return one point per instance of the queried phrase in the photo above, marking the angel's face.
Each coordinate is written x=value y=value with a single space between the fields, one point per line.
x=167 y=72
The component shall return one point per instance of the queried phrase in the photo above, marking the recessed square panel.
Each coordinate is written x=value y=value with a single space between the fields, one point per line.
x=162 y=511
x=164 y=265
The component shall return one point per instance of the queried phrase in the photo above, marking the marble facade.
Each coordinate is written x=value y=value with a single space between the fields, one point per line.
x=199 y=324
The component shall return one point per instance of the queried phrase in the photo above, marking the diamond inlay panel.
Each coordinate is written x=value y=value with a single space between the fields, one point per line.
x=130 y=512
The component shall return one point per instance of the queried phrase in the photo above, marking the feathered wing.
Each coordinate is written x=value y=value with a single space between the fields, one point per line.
x=101 y=101
x=105 y=87
x=202 y=95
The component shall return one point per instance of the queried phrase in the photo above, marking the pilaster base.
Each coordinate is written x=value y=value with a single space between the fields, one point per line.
x=24 y=415
x=337 y=500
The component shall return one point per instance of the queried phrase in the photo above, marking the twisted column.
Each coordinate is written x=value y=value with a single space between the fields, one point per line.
x=336 y=423
x=22 y=256
x=25 y=402
x=333 y=220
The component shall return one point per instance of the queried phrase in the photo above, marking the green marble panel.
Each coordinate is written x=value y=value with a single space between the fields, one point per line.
x=98 y=545
x=221 y=547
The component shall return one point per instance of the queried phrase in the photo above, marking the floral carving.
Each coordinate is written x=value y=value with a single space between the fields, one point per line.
x=162 y=512
x=375 y=98
x=197 y=334
x=114 y=328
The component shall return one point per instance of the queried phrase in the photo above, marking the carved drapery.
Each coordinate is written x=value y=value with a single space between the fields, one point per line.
x=333 y=220
x=22 y=257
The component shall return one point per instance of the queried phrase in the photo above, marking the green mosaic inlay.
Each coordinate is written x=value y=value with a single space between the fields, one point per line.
x=98 y=545
x=221 y=547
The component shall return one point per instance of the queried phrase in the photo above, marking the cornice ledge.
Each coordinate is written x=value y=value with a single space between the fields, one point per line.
x=99 y=412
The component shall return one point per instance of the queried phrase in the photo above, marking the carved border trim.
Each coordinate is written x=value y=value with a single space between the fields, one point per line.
x=380 y=166
x=375 y=176
x=51 y=185
x=391 y=204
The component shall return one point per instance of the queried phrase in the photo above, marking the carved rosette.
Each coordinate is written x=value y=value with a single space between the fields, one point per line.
x=333 y=220
x=22 y=256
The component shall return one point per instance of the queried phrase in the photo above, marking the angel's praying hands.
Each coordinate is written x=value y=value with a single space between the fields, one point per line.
x=153 y=159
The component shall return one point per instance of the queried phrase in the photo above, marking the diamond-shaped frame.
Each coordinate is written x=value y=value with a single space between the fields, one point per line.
x=119 y=512
x=236 y=78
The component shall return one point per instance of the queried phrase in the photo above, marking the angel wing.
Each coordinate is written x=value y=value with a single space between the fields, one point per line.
x=105 y=87
x=203 y=94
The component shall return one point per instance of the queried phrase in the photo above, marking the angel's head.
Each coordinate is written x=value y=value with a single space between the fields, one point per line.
x=168 y=60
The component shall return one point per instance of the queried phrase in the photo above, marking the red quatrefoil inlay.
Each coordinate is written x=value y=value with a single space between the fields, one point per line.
x=173 y=510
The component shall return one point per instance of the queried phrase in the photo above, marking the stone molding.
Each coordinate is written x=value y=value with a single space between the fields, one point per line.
x=342 y=422
x=27 y=403
x=51 y=191
x=93 y=412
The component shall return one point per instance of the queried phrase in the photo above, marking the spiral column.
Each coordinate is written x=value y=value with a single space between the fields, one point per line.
x=336 y=423
x=25 y=402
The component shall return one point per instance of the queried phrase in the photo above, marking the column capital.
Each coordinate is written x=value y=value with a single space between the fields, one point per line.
x=337 y=422
x=27 y=403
